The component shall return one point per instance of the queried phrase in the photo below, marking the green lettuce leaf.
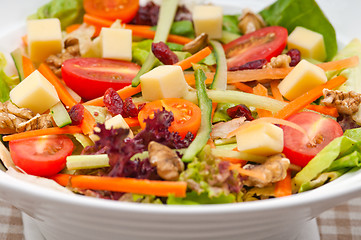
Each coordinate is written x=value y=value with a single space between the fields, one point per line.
x=193 y=198
x=305 y=13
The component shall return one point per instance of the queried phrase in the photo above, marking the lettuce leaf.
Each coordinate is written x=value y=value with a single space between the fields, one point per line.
x=194 y=198
x=4 y=80
x=305 y=13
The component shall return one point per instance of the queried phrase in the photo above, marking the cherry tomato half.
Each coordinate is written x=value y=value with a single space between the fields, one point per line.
x=321 y=130
x=124 y=10
x=91 y=77
x=41 y=156
x=264 y=43
x=187 y=115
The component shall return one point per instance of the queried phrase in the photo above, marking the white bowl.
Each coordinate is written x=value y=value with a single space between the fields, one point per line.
x=61 y=216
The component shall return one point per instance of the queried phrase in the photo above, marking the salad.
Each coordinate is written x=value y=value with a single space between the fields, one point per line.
x=166 y=103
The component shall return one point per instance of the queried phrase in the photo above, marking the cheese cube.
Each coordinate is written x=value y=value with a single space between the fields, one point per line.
x=263 y=139
x=301 y=79
x=118 y=122
x=166 y=81
x=44 y=38
x=309 y=43
x=34 y=92
x=116 y=43
x=208 y=19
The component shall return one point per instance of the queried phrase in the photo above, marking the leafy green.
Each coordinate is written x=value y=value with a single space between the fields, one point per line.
x=322 y=179
x=230 y=24
x=193 y=198
x=221 y=115
x=4 y=80
x=67 y=11
x=305 y=13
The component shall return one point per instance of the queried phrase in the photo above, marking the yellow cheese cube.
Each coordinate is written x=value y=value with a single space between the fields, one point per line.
x=208 y=19
x=118 y=122
x=166 y=81
x=261 y=139
x=34 y=92
x=301 y=79
x=116 y=43
x=44 y=38
x=309 y=43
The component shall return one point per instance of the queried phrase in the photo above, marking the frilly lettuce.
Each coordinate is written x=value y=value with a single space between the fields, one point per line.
x=5 y=80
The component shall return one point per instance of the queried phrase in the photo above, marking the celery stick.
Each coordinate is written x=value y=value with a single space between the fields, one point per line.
x=237 y=97
x=75 y=162
x=220 y=77
x=167 y=12
x=205 y=129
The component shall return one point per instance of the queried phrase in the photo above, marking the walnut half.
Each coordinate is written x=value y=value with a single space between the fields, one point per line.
x=250 y=21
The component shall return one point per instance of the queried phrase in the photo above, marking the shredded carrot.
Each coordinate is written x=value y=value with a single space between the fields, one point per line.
x=275 y=91
x=189 y=77
x=25 y=40
x=132 y=122
x=137 y=30
x=63 y=94
x=88 y=123
x=308 y=97
x=243 y=87
x=42 y=132
x=72 y=27
x=120 y=184
x=260 y=90
x=187 y=63
x=210 y=142
x=214 y=107
x=331 y=111
x=125 y=92
x=28 y=66
x=284 y=187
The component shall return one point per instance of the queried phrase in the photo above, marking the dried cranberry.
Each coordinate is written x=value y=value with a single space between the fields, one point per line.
x=164 y=54
x=129 y=108
x=295 y=55
x=76 y=114
x=113 y=102
x=147 y=15
x=240 y=111
x=256 y=64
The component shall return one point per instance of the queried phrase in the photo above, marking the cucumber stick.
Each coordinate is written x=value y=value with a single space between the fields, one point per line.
x=75 y=162
x=60 y=115
x=220 y=76
x=17 y=56
x=205 y=129
x=166 y=15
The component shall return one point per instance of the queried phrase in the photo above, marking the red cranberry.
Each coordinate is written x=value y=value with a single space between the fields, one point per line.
x=240 y=111
x=113 y=102
x=295 y=55
x=76 y=114
x=164 y=54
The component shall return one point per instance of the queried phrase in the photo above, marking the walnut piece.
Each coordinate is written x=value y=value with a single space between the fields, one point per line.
x=273 y=170
x=281 y=61
x=71 y=50
x=168 y=164
x=345 y=102
x=250 y=21
x=14 y=119
x=197 y=44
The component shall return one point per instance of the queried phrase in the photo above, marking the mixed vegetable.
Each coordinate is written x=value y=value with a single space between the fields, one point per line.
x=176 y=104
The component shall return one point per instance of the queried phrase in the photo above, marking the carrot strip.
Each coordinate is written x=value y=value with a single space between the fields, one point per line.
x=125 y=92
x=275 y=91
x=72 y=27
x=24 y=39
x=42 y=132
x=331 y=111
x=260 y=90
x=88 y=123
x=234 y=160
x=120 y=184
x=63 y=94
x=308 y=97
x=187 y=63
x=137 y=30
x=132 y=122
x=214 y=107
x=284 y=187
x=243 y=87
x=28 y=66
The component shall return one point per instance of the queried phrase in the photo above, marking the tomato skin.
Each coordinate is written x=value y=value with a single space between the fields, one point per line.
x=296 y=144
x=187 y=115
x=124 y=10
x=41 y=156
x=91 y=77
x=264 y=43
